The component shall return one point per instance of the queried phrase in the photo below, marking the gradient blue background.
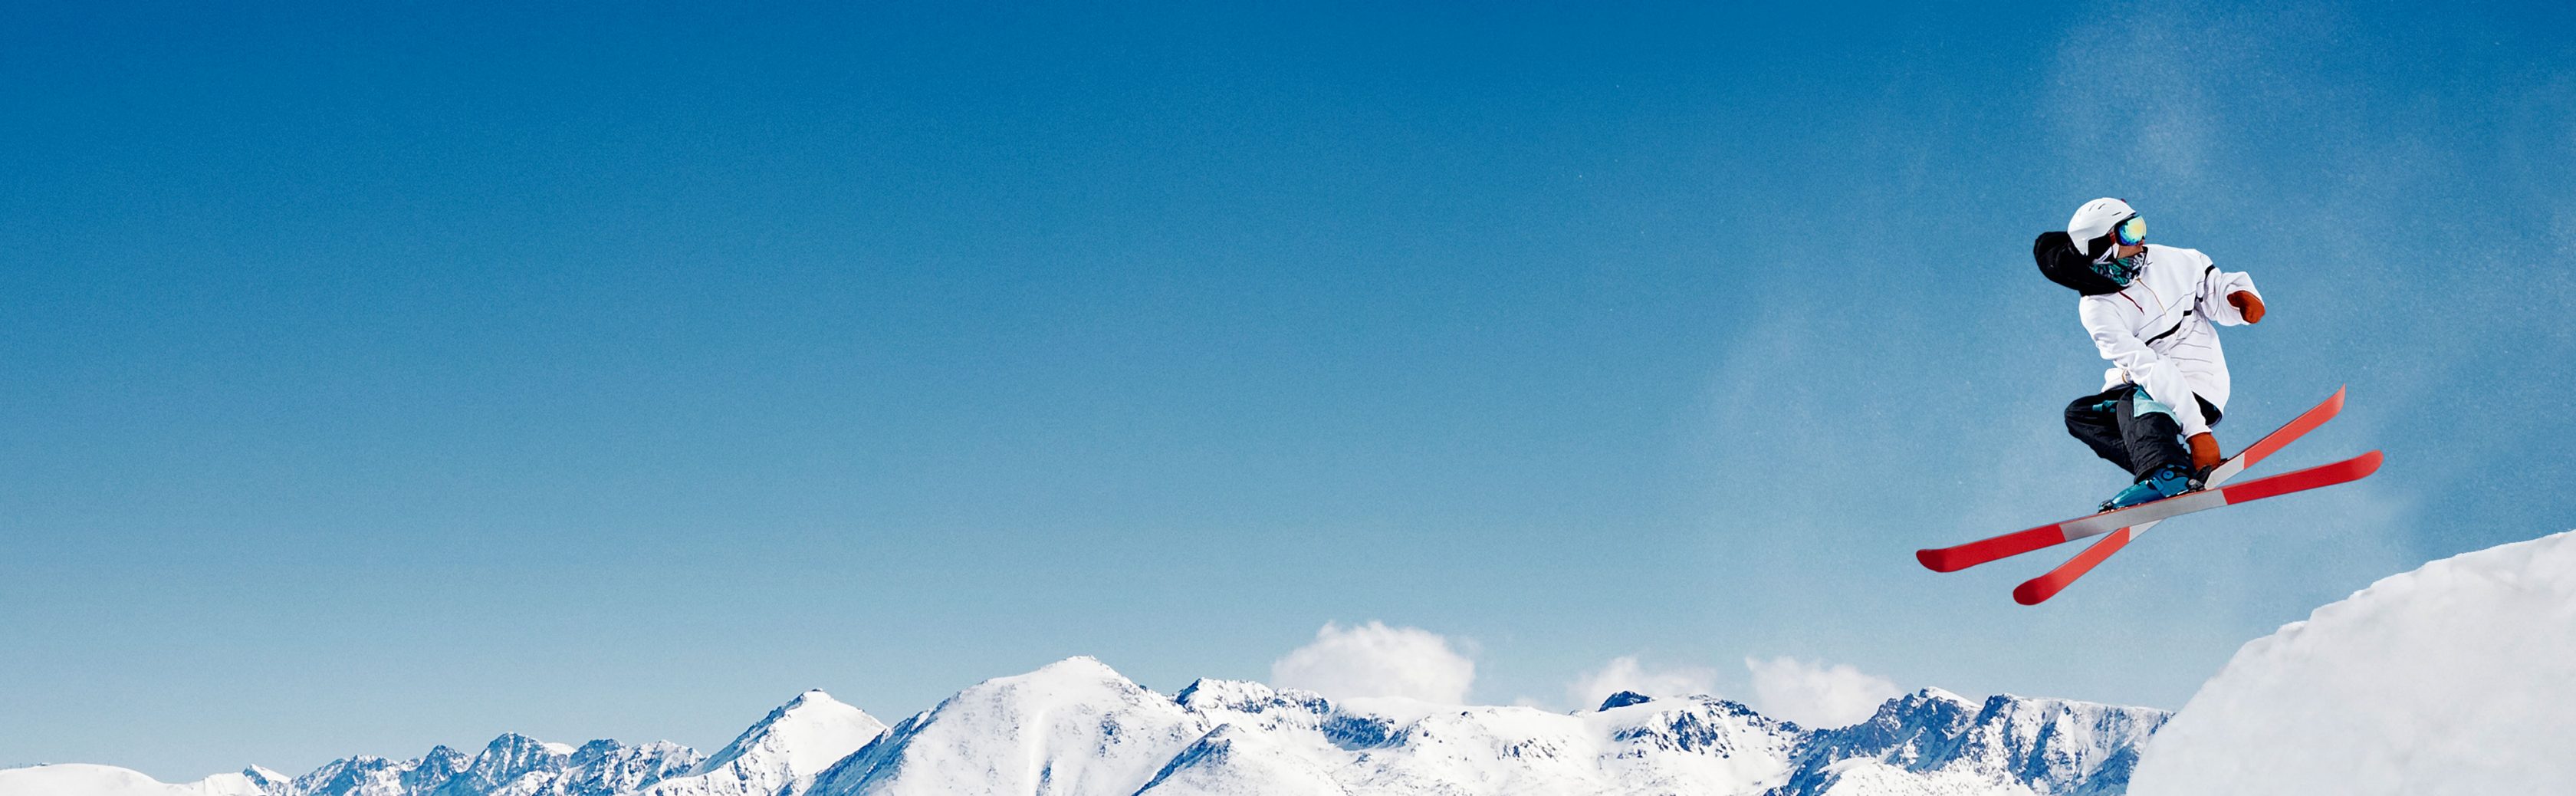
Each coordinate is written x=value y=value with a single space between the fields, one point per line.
x=381 y=377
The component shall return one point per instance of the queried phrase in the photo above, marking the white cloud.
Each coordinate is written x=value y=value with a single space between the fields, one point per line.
x=1374 y=660
x=1624 y=673
x=1814 y=694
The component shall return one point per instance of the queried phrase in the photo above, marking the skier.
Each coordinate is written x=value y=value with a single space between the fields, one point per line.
x=2149 y=310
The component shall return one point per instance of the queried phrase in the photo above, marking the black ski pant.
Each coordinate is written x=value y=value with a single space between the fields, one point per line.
x=2109 y=423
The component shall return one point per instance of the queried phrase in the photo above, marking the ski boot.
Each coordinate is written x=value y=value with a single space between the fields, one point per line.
x=2165 y=482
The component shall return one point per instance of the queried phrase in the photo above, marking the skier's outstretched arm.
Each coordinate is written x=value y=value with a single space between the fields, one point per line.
x=2229 y=297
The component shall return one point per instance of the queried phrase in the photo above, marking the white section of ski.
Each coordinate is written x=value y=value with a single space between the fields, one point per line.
x=2217 y=478
x=2107 y=522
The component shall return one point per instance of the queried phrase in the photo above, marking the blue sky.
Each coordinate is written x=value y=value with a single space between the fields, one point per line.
x=382 y=377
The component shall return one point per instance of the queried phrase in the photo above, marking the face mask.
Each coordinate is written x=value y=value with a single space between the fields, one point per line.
x=2131 y=231
x=2120 y=269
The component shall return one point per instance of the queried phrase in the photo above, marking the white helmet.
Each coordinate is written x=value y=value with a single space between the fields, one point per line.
x=2094 y=220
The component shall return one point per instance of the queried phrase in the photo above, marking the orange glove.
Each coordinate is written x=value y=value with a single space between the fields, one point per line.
x=2247 y=304
x=2204 y=448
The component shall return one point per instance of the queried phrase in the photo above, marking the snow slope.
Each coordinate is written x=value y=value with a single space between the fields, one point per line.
x=2458 y=677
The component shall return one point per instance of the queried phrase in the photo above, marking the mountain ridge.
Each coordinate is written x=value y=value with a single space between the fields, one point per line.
x=1077 y=727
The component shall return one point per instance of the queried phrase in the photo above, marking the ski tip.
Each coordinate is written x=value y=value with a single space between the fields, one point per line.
x=2034 y=591
x=1937 y=560
x=2367 y=463
x=2037 y=590
x=2337 y=400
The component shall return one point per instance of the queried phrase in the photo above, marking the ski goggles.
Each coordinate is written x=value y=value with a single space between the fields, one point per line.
x=2129 y=231
x=2132 y=231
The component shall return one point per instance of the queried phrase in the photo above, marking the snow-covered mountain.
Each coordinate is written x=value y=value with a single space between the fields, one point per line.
x=1078 y=728
x=84 y=779
x=511 y=765
x=1074 y=727
x=2049 y=746
x=781 y=753
x=778 y=754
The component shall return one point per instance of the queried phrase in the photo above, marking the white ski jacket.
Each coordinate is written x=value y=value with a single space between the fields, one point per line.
x=2157 y=331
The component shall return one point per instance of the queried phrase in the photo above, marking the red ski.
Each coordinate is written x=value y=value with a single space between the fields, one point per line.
x=2032 y=591
x=2036 y=590
x=1951 y=559
x=1958 y=557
